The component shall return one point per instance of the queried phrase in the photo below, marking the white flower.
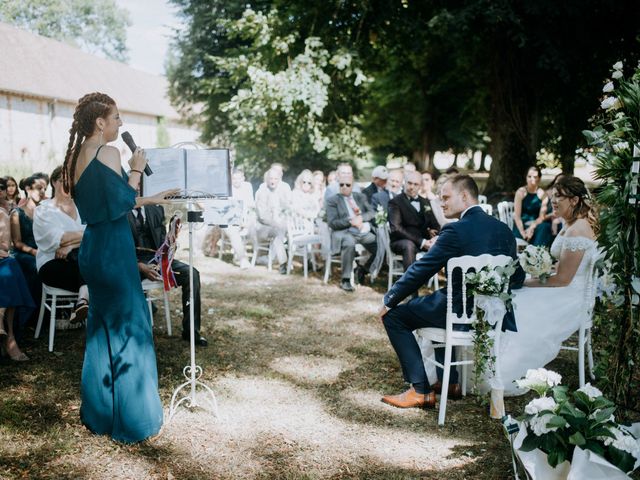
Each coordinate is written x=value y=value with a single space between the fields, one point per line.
x=538 y=405
x=617 y=74
x=624 y=441
x=591 y=391
x=608 y=87
x=539 y=424
x=536 y=261
x=617 y=66
x=539 y=380
x=620 y=146
x=610 y=103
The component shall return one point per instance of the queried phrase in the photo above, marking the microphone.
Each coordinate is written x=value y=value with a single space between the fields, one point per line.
x=128 y=139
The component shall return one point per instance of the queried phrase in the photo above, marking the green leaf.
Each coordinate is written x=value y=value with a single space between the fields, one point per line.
x=552 y=459
x=595 y=446
x=530 y=443
x=556 y=421
x=577 y=439
x=603 y=415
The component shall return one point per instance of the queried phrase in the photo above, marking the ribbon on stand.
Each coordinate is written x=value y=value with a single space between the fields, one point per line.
x=166 y=252
x=494 y=312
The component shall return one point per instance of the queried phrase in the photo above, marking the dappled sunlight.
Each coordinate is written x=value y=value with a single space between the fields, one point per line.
x=310 y=368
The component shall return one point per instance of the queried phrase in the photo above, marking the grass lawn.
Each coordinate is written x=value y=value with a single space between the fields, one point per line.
x=298 y=369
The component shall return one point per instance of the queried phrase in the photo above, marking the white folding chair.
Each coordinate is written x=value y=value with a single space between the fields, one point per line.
x=361 y=255
x=59 y=298
x=488 y=209
x=149 y=286
x=482 y=199
x=448 y=338
x=505 y=214
x=584 y=332
x=301 y=238
x=262 y=246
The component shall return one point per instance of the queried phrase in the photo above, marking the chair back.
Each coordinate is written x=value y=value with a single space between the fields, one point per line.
x=505 y=213
x=464 y=265
x=298 y=226
x=590 y=286
x=488 y=209
x=482 y=199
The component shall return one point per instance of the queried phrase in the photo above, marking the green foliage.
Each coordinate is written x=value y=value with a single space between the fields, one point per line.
x=615 y=134
x=89 y=24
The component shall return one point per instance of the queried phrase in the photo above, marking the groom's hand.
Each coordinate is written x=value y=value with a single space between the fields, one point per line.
x=383 y=311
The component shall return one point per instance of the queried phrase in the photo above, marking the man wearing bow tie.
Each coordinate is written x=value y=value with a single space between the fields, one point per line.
x=412 y=223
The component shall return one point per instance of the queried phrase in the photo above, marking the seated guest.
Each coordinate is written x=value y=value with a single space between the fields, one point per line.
x=526 y=211
x=412 y=223
x=476 y=233
x=13 y=194
x=14 y=293
x=242 y=191
x=3 y=194
x=378 y=182
x=25 y=248
x=319 y=186
x=349 y=216
x=58 y=231
x=149 y=232
x=333 y=188
x=426 y=192
x=394 y=187
x=272 y=204
x=303 y=200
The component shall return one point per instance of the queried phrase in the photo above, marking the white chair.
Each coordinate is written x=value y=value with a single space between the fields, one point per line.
x=59 y=298
x=505 y=214
x=448 y=338
x=149 y=286
x=488 y=209
x=394 y=262
x=262 y=246
x=584 y=332
x=482 y=199
x=301 y=238
x=330 y=259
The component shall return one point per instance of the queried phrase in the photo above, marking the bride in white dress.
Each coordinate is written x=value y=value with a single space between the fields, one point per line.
x=549 y=313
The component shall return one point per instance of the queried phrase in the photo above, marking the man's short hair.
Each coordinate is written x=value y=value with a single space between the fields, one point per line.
x=463 y=182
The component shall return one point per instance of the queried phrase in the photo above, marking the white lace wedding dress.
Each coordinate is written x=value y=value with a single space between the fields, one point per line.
x=545 y=317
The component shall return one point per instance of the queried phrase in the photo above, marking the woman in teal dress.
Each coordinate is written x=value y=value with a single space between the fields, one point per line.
x=119 y=374
x=527 y=222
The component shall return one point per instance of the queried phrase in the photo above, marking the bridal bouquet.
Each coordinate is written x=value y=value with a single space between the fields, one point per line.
x=489 y=286
x=537 y=262
x=558 y=423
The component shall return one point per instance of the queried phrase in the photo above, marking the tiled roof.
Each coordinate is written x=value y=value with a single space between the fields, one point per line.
x=37 y=66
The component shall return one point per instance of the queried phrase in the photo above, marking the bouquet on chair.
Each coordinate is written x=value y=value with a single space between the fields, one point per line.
x=381 y=216
x=537 y=262
x=490 y=287
x=573 y=435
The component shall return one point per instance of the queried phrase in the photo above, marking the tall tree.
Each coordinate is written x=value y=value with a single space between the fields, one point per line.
x=95 y=26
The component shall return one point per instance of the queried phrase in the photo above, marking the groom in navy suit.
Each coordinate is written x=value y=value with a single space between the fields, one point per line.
x=475 y=234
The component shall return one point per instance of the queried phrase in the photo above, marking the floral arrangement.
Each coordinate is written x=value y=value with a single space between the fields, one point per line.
x=381 y=216
x=485 y=284
x=537 y=262
x=558 y=423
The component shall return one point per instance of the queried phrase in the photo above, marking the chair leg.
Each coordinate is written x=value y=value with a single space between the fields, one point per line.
x=327 y=268
x=43 y=307
x=581 y=352
x=52 y=321
x=445 y=384
x=254 y=258
x=304 y=260
x=290 y=257
x=590 y=355
x=465 y=372
x=167 y=312
x=150 y=309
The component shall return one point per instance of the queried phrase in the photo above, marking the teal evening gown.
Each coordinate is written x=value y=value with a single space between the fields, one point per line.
x=119 y=375
x=531 y=205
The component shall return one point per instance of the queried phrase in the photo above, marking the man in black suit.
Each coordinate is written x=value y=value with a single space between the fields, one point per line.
x=476 y=233
x=349 y=216
x=147 y=226
x=412 y=223
x=378 y=182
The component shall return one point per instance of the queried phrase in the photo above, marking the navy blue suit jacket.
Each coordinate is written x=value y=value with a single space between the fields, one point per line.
x=475 y=234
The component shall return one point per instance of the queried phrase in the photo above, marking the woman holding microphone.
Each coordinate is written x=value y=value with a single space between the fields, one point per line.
x=119 y=375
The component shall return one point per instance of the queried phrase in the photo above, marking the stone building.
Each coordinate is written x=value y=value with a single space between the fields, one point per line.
x=41 y=81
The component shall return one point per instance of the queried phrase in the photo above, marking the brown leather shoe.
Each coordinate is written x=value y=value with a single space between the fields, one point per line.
x=411 y=399
x=454 y=390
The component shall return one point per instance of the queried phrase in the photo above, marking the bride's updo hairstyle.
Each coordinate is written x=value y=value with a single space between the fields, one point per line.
x=572 y=187
x=90 y=107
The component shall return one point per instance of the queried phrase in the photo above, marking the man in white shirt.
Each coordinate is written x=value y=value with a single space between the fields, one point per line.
x=272 y=202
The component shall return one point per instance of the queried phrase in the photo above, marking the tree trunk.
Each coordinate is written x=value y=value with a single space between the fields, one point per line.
x=423 y=156
x=483 y=158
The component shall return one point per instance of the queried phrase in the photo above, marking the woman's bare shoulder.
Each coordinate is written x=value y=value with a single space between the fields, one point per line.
x=580 y=228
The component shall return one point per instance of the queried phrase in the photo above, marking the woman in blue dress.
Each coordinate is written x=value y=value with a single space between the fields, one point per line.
x=527 y=223
x=119 y=375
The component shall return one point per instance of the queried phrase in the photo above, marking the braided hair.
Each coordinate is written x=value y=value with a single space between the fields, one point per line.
x=570 y=186
x=90 y=107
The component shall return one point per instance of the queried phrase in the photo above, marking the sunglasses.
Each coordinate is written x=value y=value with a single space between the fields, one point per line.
x=345 y=184
x=306 y=183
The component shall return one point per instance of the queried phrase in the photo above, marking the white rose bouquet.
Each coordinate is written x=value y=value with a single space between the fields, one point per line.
x=559 y=423
x=381 y=216
x=537 y=262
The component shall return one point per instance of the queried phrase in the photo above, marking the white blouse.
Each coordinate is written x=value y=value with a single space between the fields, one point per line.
x=49 y=224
